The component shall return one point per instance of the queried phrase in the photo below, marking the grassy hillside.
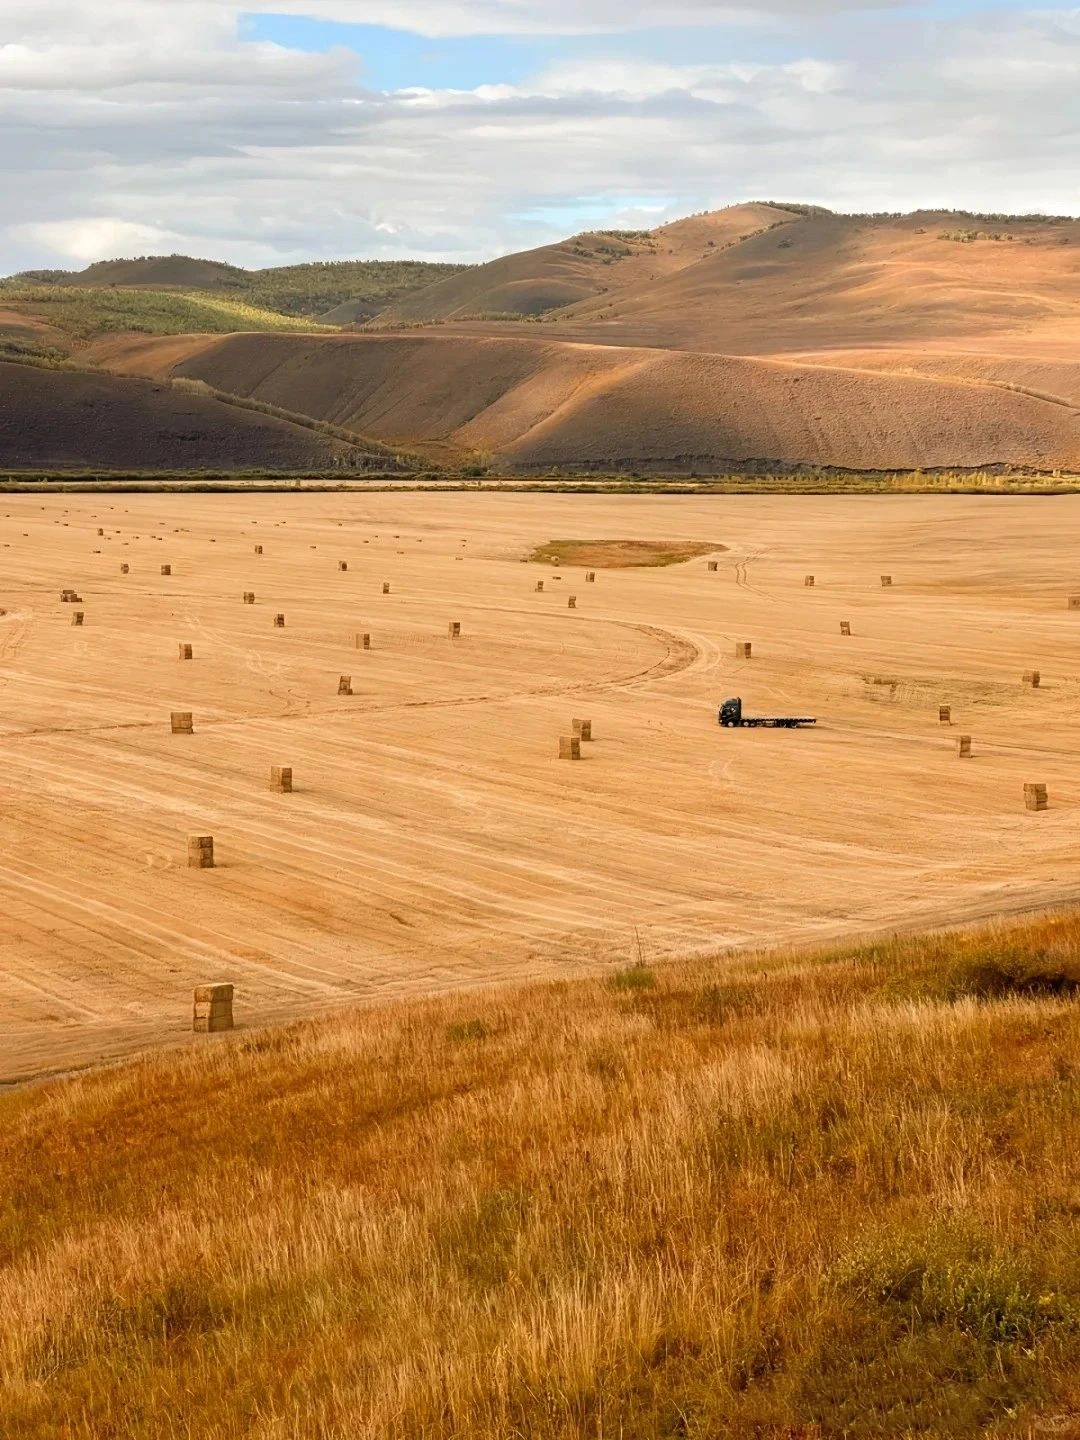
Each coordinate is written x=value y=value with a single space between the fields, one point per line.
x=309 y=290
x=85 y=314
x=801 y=1196
x=367 y=285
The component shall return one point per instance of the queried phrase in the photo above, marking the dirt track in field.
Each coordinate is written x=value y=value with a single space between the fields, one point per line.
x=434 y=841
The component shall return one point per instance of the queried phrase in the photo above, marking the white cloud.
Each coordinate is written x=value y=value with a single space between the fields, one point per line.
x=86 y=238
x=135 y=126
x=441 y=18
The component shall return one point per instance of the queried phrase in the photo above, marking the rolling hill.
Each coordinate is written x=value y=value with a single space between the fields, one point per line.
x=530 y=403
x=758 y=337
x=359 y=289
x=80 y=315
x=72 y=420
x=586 y=268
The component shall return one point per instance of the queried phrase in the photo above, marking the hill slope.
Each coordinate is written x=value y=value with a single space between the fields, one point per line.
x=754 y=337
x=62 y=419
x=798 y=1195
x=833 y=280
x=582 y=268
x=530 y=403
x=83 y=314
x=360 y=288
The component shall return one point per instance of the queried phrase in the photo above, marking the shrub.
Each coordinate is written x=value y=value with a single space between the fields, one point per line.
x=634 y=977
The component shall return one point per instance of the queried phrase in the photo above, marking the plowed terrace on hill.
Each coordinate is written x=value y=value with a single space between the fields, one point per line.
x=434 y=841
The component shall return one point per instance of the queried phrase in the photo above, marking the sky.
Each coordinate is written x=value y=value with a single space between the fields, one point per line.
x=463 y=129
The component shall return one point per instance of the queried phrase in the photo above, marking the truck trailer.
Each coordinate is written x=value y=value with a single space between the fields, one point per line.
x=732 y=718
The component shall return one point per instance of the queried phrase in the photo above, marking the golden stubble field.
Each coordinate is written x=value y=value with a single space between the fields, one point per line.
x=434 y=840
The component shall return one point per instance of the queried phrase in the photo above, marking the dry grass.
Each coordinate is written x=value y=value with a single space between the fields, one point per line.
x=621 y=554
x=793 y=1196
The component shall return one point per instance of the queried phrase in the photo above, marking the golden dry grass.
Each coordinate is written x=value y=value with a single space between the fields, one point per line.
x=801 y=1195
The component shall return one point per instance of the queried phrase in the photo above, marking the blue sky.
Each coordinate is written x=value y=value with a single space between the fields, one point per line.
x=397 y=59
x=462 y=129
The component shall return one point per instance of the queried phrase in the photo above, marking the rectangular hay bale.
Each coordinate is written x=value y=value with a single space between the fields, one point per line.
x=213 y=994
x=281 y=778
x=569 y=747
x=212 y=1011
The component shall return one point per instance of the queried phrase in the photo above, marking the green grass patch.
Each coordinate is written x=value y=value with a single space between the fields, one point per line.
x=87 y=314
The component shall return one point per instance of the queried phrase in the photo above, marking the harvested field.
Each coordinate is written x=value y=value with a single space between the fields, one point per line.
x=433 y=841
x=620 y=554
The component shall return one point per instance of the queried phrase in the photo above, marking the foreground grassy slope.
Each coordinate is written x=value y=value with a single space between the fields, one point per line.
x=804 y=1196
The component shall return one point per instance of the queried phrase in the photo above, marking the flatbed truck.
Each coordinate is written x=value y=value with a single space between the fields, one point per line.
x=732 y=718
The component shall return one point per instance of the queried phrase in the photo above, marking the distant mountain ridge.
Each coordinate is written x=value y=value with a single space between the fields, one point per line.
x=310 y=290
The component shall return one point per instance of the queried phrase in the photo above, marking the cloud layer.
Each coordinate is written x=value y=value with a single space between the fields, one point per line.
x=143 y=126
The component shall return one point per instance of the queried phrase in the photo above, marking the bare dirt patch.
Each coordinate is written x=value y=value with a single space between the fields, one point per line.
x=621 y=554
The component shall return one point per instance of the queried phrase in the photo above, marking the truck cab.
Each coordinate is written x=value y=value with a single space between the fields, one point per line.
x=731 y=713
